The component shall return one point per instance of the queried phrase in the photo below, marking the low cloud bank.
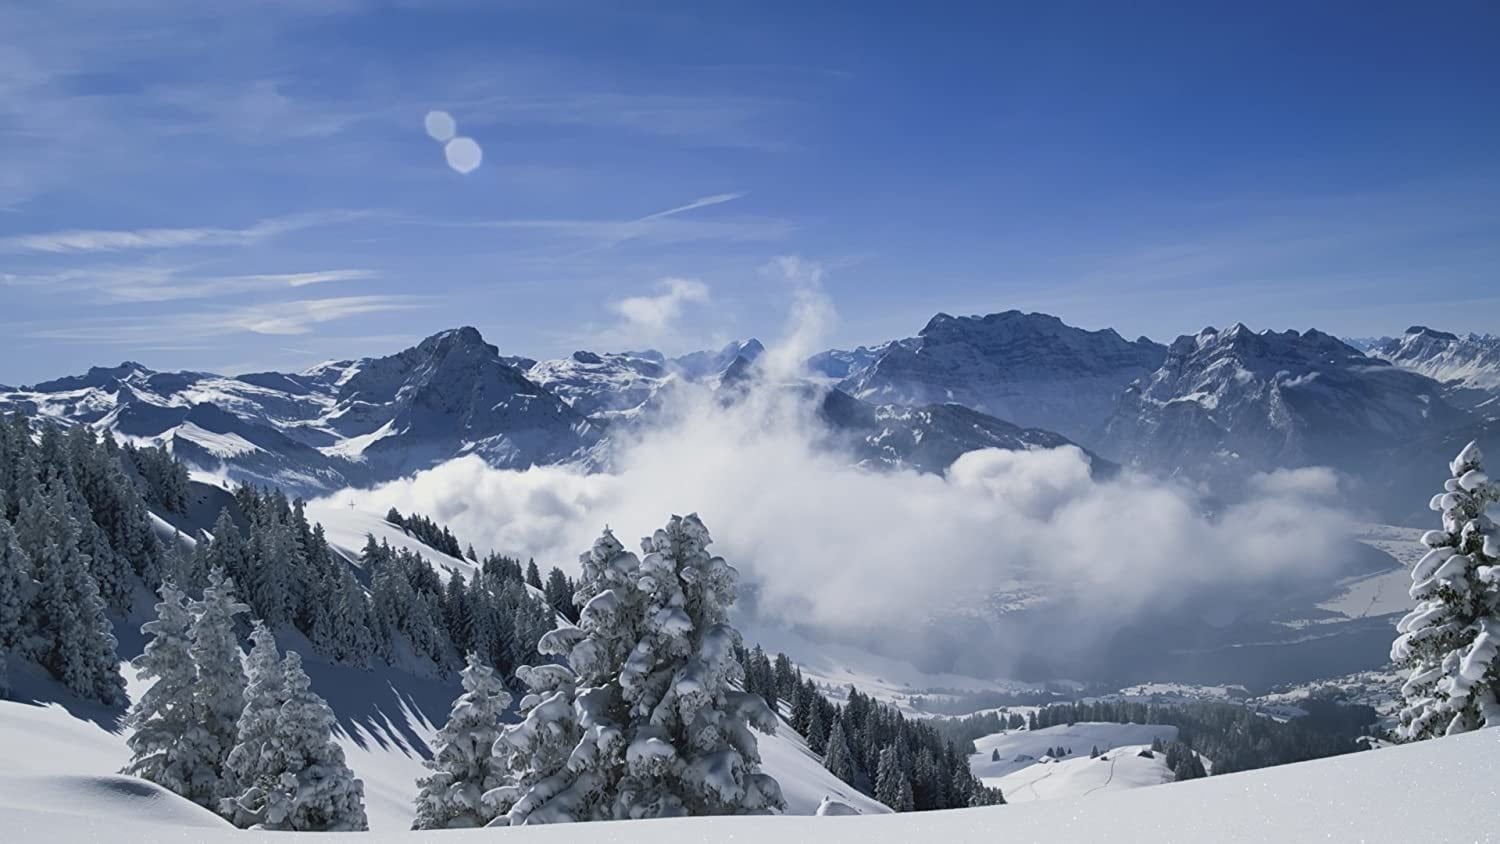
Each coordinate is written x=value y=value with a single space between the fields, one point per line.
x=829 y=544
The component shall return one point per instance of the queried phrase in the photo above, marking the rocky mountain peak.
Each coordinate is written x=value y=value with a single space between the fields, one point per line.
x=97 y=376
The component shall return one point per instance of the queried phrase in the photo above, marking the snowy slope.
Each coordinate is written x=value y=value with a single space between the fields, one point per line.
x=604 y=385
x=1021 y=749
x=1119 y=769
x=1434 y=791
x=1472 y=361
x=804 y=780
x=347 y=529
x=67 y=754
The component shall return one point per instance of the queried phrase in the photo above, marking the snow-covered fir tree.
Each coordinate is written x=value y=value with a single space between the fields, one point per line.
x=163 y=719
x=1450 y=643
x=15 y=583
x=837 y=757
x=464 y=766
x=305 y=784
x=661 y=729
x=563 y=760
x=546 y=777
x=218 y=694
x=891 y=784
x=249 y=765
x=71 y=634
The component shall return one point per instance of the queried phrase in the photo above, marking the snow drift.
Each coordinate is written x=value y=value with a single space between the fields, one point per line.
x=1361 y=797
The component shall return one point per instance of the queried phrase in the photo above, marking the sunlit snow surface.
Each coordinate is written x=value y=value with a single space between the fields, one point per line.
x=1436 y=791
x=1021 y=750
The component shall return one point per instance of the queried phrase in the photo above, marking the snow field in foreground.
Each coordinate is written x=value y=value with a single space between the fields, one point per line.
x=1436 y=791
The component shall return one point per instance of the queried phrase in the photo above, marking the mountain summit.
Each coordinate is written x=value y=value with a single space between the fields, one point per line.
x=1030 y=369
x=1471 y=362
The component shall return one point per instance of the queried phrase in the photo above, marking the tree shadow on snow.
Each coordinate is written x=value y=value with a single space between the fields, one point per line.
x=384 y=705
x=31 y=684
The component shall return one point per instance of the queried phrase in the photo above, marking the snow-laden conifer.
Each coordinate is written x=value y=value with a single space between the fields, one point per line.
x=218 y=694
x=249 y=764
x=662 y=730
x=303 y=783
x=563 y=761
x=69 y=629
x=1450 y=643
x=464 y=766
x=163 y=719
x=837 y=757
x=891 y=784
x=15 y=583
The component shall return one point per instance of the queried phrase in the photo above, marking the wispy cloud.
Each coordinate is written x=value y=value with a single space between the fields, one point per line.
x=661 y=227
x=652 y=316
x=275 y=318
x=702 y=202
x=165 y=284
x=71 y=241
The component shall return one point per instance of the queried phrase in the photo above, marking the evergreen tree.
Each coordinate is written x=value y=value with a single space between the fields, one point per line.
x=661 y=730
x=305 y=784
x=15 y=583
x=786 y=678
x=1188 y=767
x=227 y=553
x=164 y=718
x=533 y=575
x=891 y=785
x=904 y=800
x=1450 y=643
x=250 y=765
x=817 y=726
x=560 y=594
x=837 y=758
x=463 y=763
x=73 y=637
x=219 y=691
x=546 y=779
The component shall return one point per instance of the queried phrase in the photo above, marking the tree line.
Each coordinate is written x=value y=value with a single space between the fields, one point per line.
x=907 y=764
x=75 y=539
x=1234 y=737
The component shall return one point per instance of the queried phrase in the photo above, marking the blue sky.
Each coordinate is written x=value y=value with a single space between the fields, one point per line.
x=246 y=186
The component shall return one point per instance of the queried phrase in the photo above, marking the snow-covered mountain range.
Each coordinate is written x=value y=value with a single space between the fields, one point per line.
x=1029 y=369
x=1469 y=366
x=357 y=422
x=1215 y=406
x=1270 y=399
